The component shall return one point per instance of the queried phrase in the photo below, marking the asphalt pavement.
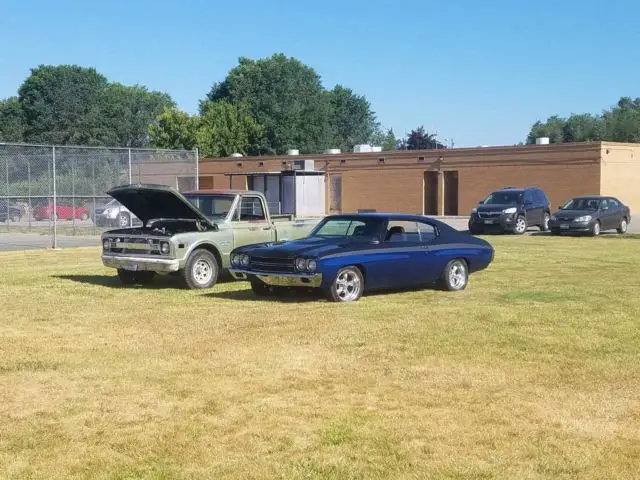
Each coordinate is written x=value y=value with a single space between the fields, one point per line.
x=12 y=241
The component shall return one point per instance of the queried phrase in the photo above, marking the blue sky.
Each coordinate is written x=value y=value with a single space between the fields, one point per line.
x=477 y=72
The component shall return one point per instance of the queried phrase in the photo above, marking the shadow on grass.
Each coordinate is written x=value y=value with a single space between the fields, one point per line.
x=112 y=281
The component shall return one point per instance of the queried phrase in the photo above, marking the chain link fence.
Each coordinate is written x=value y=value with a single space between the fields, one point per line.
x=51 y=193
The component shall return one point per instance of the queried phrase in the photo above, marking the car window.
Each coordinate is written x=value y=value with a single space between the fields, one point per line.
x=347 y=227
x=539 y=197
x=251 y=209
x=503 y=198
x=613 y=203
x=409 y=231
x=604 y=205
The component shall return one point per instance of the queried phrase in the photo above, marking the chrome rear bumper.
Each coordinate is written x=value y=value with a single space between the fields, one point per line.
x=313 y=280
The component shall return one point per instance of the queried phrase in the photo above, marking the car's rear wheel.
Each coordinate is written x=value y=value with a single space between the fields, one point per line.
x=595 y=229
x=521 y=225
x=623 y=226
x=348 y=285
x=201 y=270
x=455 y=275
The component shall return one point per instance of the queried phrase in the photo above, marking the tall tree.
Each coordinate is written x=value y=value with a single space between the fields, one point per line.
x=418 y=139
x=622 y=122
x=552 y=128
x=352 y=121
x=583 y=128
x=227 y=128
x=61 y=105
x=174 y=129
x=285 y=97
x=11 y=120
x=385 y=139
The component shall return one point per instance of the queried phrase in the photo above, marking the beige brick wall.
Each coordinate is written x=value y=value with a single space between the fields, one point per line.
x=620 y=175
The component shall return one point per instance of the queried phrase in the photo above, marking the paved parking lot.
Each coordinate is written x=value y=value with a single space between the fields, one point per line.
x=29 y=241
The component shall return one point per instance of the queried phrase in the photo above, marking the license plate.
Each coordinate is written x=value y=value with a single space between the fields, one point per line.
x=132 y=267
x=489 y=221
x=564 y=225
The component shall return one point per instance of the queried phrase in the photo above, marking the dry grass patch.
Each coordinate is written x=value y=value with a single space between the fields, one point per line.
x=532 y=372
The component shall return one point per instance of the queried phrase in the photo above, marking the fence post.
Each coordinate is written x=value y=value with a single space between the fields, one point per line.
x=55 y=204
x=130 y=166
x=197 y=170
x=130 y=182
x=30 y=211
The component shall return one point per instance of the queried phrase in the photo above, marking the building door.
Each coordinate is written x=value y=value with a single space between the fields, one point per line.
x=451 y=192
x=430 y=193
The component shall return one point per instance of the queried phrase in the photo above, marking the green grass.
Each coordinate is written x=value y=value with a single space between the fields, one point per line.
x=532 y=372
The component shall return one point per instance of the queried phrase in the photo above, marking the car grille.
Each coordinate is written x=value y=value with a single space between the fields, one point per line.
x=564 y=219
x=276 y=265
x=137 y=246
x=489 y=214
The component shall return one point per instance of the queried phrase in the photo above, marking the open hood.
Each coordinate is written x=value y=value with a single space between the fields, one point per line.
x=148 y=202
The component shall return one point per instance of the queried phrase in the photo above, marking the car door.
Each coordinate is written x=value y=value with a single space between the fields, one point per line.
x=250 y=223
x=614 y=213
x=606 y=214
x=532 y=210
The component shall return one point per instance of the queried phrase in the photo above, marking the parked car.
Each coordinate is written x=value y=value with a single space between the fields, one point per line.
x=9 y=211
x=191 y=235
x=591 y=214
x=511 y=210
x=114 y=214
x=348 y=254
x=63 y=211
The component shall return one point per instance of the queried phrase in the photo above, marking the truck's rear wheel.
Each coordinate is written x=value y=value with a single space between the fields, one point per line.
x=201 y=270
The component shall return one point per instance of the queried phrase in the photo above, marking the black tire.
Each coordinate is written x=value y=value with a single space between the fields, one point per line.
x=123 y=220
x=624 y=224
x=520 y=227
x=455 y=275
x=595 y=229
x=555 y=231
x=545 y=222
x=260 y=288
x=201 y=270
x=127 y=277
x=347 y=276
x=145 y=277
x=474 y=230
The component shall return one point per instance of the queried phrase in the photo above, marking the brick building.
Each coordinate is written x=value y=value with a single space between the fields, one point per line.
x=452 y=181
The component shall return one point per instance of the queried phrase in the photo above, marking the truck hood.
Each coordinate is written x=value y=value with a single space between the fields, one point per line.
x=148 y=202
x=308 y=247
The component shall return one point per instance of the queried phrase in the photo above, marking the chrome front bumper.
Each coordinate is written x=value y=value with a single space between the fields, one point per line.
x=159 y=265
x=313 y=280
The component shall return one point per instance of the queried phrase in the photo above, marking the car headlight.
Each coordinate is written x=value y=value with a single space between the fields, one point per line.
x=106 y=244
x=510 y=210
x=474 y=210
x=164 y=247
x=311 y=265
x=244 y=260
x=586 y=218
x=301 y=264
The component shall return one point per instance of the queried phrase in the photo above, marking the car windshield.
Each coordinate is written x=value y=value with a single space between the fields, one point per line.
x=212 y=206
x=348 y=227
x=503 y=198
x=582 y=204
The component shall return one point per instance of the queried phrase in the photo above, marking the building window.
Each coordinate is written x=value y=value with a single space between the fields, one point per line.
x=336 y=193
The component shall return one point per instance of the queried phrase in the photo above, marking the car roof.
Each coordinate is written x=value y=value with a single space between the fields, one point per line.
x=395 y=216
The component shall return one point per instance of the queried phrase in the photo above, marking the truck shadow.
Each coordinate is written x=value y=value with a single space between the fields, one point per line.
x=112 y=281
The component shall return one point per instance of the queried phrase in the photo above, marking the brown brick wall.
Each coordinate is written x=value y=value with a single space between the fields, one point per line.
x=621 y=173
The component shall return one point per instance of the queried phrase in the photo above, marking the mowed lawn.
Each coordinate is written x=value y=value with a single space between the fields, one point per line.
x=532 y=372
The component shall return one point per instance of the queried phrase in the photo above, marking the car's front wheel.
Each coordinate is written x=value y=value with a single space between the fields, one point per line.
x=595 y=229
x=521 y=225
x=348 y=285
x=622 y=228
x=201 y=270
x=455 y=275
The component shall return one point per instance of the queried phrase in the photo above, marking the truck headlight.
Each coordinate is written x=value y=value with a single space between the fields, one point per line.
x=235 y=259
x=311 y=265
x=106 y=244
x=164 y=247
x=510 y=210
x=244 y=260
x=586 y=218
x=301 y=264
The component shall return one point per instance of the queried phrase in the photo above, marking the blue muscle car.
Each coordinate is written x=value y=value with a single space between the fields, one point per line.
x=348 y=254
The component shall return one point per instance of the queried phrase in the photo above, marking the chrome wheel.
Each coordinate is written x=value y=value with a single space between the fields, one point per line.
x=202 y=272
x=545 y=222
x=596 y=229
x=623 y=226
x=521 y=225
x=457 y=275
x=123 y=220
x=348 y=285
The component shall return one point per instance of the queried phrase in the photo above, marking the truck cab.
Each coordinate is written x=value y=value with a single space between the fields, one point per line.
x=192 y=234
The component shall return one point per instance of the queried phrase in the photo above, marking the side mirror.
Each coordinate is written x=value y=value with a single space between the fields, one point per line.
x=480 y=202
x=560 y=207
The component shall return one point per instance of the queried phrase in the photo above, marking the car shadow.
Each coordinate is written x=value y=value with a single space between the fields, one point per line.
x=112 y=281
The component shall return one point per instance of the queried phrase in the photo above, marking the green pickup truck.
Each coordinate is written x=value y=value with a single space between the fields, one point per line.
x=191 y=235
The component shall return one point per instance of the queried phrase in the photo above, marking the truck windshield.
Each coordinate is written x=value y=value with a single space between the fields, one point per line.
x=348 y=227
x=212 y=206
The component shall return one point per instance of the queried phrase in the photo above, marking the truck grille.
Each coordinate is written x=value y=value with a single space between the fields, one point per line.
x=276 y=265
x=137 y=246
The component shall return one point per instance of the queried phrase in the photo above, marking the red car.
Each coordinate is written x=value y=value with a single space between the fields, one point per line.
x=63 y=212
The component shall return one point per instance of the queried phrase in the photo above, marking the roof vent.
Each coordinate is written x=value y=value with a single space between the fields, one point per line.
x=542 y=141
x=363 y=148
x=376 y=149
x=332 y=151
x=293 y=151
x=236 y=154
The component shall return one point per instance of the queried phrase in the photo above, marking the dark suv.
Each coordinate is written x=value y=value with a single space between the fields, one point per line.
x=511 y=210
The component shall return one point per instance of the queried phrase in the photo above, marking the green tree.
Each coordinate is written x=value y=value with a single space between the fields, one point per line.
x=419 y=139
x=622 y=122
x=174 y=129
x=385 y=139
x=127 y=111
x=11 y=120
x=285 y=97
x=61 y=105
x=552 y=128
x=583 y=128
x=227 y=128
x=352 y=120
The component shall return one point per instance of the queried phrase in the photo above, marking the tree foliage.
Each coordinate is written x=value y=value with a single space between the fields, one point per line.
x=352 y=120
x=419 y=139
x=385 y=139
x=11 y=121
x=174 y=129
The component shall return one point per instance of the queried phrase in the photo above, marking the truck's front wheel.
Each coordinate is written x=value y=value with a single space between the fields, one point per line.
x=201 y=270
